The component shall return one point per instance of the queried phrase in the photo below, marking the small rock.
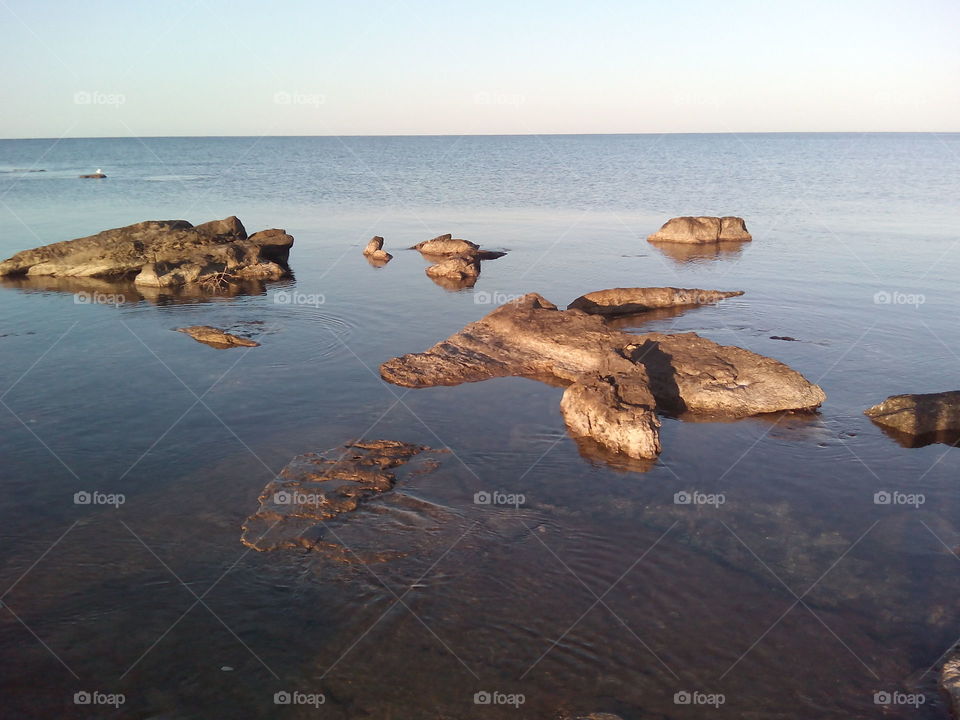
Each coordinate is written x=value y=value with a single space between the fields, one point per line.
x=456 y=268
x=628 y=301
x=919 y=414
x=702 y=230
x=446 y=245
x=216 y=338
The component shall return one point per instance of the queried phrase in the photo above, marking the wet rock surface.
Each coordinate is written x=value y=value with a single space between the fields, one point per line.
x=631 y=375
x=375 y=253
x=315 y=488
x=628 y=301
x=919 y=415
x=217 y=338
x=702 y=230
x=950 y=681
x=162 y=253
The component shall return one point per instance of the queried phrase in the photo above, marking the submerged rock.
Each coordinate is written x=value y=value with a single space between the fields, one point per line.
x=628 y=301
x=162 y=253
x=919 y=414
x=632 y=374
x=217 y=338
x=702 y=230
x=375 y=253
x=315 y=488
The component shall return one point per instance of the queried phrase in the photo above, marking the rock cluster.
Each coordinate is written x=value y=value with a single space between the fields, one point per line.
x=616 y=381
x=163 y=253
x=375 y=253
x=456 y=262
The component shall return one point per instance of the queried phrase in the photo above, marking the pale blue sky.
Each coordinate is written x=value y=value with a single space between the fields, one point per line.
x=212 y=67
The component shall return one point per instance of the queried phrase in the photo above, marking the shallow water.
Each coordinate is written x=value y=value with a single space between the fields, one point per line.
x=693 y=598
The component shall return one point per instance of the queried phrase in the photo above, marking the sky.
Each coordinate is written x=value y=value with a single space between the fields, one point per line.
x=108 y=68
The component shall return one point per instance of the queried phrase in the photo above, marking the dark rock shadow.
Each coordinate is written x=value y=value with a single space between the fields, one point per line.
x=663 y=378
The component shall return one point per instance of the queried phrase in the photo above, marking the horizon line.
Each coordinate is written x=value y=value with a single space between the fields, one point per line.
x=528 y=134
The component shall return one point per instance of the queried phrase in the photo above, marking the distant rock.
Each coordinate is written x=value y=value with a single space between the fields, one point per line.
x=315 y=488
x=217 y=338
x=162 y=253
x=93 y=176
x=702 y=230
x=622 y=377
x=446 y=245
x=919 y=414
x=375 y=253
x=628 y=301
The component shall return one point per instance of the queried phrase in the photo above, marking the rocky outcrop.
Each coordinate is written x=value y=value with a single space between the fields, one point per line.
x=217 y=338
x=628 y=301
x=375 y=253
x=683 y=373
x=919 y=414
x=461 y=266
x=315 y=488
x=702 y=230
x=162 y=253
x=950 y=681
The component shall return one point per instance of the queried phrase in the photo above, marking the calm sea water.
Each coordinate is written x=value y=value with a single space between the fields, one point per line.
x=798 y=597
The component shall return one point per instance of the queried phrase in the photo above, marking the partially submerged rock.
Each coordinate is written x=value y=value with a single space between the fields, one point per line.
x=375 y=253
x=702 y=230
x=217 y=338
x=628 y=301
x=919 y=414
x=950 y=681
x=92 y=176
x=162 y=253
x=627 y=373
x=455 y=268
x=447 y=245
x=315 y=488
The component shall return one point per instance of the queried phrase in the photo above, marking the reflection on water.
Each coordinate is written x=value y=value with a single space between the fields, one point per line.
x=683 y=253
x=796 y=595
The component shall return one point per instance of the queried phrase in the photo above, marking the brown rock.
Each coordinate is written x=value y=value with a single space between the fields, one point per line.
x=702 y=230
x=530 y=337
x=455 y=268
x=95 y=176
x=919 y=414
x=627 y=301
x=950 y=681
x=217 y=338
x=446 y=245
x=314 y=488
x=160 y=253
